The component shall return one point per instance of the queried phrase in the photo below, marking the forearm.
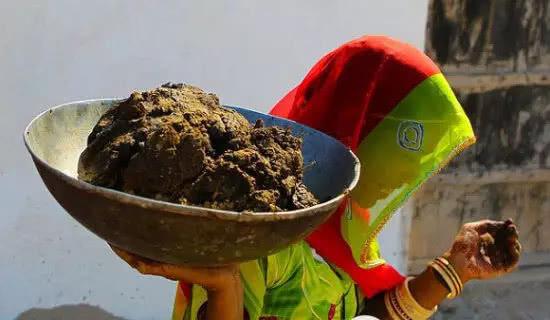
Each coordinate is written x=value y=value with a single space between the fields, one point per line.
x=375 y=307
x=426 y=288
x=226 y=303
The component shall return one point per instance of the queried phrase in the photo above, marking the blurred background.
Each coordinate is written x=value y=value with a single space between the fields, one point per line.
x=495 y=53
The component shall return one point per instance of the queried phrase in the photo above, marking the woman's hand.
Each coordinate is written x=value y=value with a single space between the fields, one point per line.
x=223 y=284
x=485 y=249
x=210 y=278
x=481 y=250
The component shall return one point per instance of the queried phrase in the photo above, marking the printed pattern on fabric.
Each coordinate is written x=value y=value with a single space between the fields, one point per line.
x=296 y=286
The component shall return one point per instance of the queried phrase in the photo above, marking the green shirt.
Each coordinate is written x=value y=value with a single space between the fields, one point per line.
x=291 y=284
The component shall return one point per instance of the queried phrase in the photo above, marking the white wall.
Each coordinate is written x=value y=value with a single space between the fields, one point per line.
x=249 y=52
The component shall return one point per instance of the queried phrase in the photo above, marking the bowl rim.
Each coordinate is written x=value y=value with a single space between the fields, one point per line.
x=181 y=209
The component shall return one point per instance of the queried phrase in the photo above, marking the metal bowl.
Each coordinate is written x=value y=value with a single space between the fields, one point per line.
x=182 y=234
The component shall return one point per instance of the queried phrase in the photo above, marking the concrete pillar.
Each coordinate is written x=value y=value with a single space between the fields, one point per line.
x=496 y=55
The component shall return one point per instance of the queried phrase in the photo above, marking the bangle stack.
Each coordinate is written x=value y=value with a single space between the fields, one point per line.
x=449 y=276
x=401 y=304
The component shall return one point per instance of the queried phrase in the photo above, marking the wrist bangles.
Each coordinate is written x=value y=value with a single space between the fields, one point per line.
x=401 y=304
x=449 y=275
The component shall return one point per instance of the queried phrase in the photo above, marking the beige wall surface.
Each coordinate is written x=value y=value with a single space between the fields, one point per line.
x=249 y=52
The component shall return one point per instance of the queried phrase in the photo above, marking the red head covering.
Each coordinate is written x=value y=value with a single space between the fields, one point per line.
x=346 y=94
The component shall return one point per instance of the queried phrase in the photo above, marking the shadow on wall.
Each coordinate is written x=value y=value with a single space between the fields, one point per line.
x=68 y=312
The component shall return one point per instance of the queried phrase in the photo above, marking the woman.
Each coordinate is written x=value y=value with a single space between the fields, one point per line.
x=390 y=104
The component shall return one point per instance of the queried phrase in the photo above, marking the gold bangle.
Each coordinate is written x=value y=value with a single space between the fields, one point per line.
x=449 y=267
x=390 y=308
x=409 y=304
x=390 y=300
x=449 y=282
x=449 y=276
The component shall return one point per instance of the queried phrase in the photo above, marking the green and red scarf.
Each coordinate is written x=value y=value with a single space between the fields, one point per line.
x=392 y=106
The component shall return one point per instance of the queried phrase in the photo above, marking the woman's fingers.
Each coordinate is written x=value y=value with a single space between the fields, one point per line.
x=488 y=226
x=498 y=245
x=515 y=255
x=512 y=232
x=130 y=258
x=506 y=251
x=208 y=277
x=143 y=265
x=186 y=274
x=511 y=245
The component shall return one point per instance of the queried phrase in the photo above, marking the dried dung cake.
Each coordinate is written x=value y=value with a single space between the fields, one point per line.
x=177 y=143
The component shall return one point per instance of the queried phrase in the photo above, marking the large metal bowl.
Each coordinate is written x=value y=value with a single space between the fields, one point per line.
x=174 y=233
